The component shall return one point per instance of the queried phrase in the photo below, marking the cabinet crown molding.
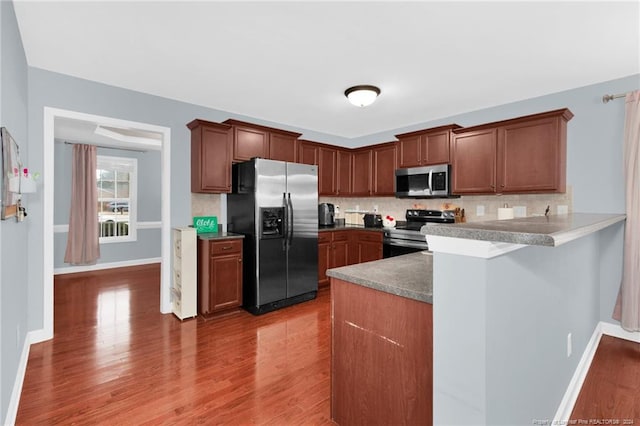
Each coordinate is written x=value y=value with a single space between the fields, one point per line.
x=234 y=122
x=564 y=113
x=198 y=122
x=429 y=130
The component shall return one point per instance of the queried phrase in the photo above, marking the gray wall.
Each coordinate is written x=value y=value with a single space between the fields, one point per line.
x=501 y=325
x=148 y=241
x=14 y=273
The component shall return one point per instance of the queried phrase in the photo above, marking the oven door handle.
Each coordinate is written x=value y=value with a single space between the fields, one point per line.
x=405 y=243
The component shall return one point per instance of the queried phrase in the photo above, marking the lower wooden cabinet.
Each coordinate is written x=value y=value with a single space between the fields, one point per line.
x=219 y=275
x=346 y=247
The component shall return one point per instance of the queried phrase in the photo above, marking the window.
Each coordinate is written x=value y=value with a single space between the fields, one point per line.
x=116 y=180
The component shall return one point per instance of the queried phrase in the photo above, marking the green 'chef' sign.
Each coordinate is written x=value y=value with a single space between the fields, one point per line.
x=204 y=224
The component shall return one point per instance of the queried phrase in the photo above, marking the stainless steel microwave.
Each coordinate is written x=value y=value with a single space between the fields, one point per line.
x=424 y=182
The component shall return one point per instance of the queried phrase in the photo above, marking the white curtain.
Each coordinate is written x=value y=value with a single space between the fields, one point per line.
x=627 y=309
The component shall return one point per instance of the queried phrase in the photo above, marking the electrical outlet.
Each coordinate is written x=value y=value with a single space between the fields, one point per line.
x=480 y=210
x=569 y=348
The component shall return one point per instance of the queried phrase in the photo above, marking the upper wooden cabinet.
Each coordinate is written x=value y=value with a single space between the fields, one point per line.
x=211 y=146
x=251 y=140
x=327 y=170
x=362 y=167
x=344 y=172
x=522 y=155
x=384 y=167
x=425 y=147
x=308 y=152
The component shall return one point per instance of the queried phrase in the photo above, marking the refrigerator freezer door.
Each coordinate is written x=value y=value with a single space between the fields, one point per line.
x=302 y=186
x=271 y=256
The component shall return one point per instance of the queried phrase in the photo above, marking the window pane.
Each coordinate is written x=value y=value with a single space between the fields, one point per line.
x=106 y=174
x=123 y=190
x=122 y=176
x=106 y=190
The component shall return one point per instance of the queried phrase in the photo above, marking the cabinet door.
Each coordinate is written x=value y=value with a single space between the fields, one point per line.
x=368 y=246
x=282 y=147
x=435 y=148
x=409 y=151
x=211 y=159
x=361 y=181
x=249 y=143
x=531 y=157
x=339 y=249
x=226 y=287
x=327 y=171
x=307 y=153
x=345 y=159
x=384 y=166
x=324 y=254
x=474 y=162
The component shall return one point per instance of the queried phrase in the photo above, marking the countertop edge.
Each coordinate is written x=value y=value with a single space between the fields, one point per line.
x=560 y=238
x=220 y=236
x=421 y=297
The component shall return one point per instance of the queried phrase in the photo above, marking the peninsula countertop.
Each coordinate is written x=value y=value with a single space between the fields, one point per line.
x=548 y=231
x=409 y=276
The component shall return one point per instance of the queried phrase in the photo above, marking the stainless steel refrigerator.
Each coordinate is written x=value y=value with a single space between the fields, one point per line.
x=275 y=205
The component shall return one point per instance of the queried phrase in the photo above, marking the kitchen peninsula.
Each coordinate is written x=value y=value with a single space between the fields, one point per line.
x=515 y=304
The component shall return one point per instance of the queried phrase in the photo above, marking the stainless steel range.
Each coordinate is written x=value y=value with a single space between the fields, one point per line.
x=405 y=239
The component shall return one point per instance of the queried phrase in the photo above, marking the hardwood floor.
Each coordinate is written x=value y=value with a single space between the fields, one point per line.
x=611 y=391
x=115 y=359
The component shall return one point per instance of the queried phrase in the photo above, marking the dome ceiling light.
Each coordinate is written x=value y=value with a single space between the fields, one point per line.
x=363 y=95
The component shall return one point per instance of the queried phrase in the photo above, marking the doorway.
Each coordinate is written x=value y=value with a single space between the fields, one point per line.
x=50 y=116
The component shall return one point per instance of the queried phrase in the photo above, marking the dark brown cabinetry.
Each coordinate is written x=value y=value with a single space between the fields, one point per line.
x=384 y=167
x=425 y=147
x=381 y=365
x=308 y=152
x=344 y=176
x=365 y=246
x=522 y=155
x=333 y=252
x=362 y=172
x=251 y=140
x=211 y=148
x=219 y=276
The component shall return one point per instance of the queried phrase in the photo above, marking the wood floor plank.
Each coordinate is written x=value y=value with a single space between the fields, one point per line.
x=115 y=359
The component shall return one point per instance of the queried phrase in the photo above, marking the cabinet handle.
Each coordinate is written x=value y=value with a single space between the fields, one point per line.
x=492 y=186
x=502 y=186
x=227 y=248
x=239 y=260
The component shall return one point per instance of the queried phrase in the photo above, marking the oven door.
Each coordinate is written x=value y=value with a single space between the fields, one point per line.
x=392 y=247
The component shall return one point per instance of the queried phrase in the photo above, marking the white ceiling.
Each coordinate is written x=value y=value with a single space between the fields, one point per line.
x=290 y=62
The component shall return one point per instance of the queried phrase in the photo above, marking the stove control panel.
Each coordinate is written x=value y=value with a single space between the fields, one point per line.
x=420 y=215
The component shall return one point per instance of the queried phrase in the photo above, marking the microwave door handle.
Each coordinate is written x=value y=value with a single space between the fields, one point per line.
x=430 y=182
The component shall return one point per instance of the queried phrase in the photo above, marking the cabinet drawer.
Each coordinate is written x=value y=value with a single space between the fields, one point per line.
x=225 y=247
x=340 y=235
x=375 y=237
x=324 y=237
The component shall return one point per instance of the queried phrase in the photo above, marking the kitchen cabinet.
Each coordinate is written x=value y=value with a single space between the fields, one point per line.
x=362 y=172
x=211 y=151
x=425 y=147
x=184 y=273
x=327 y=170
x=384 y=168
x=251 y=140
x=344 y=172
x=308 y=152
x=365 y=246
x=381 y=358
x=219 y=275
x=334 y=251
x=521 y=155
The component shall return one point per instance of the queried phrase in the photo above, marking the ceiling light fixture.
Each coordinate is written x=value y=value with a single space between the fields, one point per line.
x=363 y=95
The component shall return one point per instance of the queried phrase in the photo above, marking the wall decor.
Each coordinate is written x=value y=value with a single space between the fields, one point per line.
x=10 y=175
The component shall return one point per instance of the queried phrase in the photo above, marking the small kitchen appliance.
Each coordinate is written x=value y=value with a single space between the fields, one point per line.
x=372 y=220
x=326 y=214
x=405 y=239
x=424 y=182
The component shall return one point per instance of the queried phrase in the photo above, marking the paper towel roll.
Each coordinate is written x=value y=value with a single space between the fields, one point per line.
x=505 y=213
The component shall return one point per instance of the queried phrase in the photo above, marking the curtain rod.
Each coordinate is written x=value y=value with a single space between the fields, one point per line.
x=607 y=98
x=106 y=147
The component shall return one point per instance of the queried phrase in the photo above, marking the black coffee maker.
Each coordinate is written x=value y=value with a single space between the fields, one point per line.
x=326 y=214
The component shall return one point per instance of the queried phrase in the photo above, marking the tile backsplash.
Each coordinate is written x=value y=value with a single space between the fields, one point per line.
x=525 y=204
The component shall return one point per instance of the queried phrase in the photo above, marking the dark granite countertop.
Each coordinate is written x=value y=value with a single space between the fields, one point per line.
x=220 y=236
x=549 y=231
x=409 y=276
x=347 y=228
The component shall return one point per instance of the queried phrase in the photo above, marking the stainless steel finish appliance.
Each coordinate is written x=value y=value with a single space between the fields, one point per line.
x=275 y=205
x=424 y=182
x=405 y=239
x=326 y=214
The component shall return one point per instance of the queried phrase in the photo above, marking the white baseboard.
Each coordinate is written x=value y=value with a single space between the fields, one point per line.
x=12 y=409
x=100 y=266
x=575 y=385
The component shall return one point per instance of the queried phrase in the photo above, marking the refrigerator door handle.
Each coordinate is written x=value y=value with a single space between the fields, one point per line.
x=286 y=222
x=290 y=225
